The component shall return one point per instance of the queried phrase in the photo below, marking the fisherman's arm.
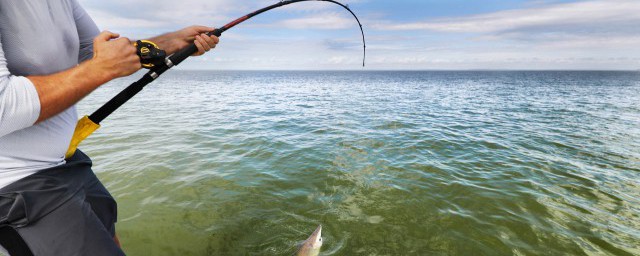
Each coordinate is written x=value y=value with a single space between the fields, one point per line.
x=111 y=59
x=174 y=41
x=25 y=101
x=57 y=93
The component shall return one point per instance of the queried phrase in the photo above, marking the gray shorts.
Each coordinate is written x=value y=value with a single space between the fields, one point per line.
x=63 y=210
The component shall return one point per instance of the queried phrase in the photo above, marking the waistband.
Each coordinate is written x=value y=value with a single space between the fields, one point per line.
x=32 y=197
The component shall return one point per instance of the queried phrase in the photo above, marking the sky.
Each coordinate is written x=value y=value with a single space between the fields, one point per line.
x=401 y=34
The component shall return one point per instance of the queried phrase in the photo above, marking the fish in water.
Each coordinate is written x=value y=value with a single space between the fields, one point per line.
x=311 y=246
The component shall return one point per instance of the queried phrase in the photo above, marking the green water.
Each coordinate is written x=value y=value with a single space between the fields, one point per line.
x=390 y=163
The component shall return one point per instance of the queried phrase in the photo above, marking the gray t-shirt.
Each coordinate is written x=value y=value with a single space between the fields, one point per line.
x=37 y=37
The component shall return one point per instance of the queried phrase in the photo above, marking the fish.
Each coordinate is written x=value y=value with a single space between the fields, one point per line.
x=311 y=246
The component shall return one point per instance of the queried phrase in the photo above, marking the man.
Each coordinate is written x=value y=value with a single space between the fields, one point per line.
x=51 y=56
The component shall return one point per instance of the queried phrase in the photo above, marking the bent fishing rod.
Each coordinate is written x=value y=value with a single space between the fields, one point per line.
x=155 y=59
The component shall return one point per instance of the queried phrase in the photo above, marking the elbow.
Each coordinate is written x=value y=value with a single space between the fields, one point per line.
x=19 y=104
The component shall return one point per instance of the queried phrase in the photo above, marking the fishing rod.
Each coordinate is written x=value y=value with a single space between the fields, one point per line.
x=155 y=59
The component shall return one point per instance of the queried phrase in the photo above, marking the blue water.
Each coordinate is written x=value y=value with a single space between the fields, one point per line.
x=390 y=163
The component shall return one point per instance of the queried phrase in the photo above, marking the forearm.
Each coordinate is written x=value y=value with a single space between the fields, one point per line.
x=112 y=58
x=167 y=42
x=62 y=90
x=174 y=41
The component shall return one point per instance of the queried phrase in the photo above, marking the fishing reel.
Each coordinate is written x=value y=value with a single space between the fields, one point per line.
x=150 y=54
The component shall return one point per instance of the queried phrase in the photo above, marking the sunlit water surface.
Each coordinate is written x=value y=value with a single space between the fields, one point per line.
x=390 y=163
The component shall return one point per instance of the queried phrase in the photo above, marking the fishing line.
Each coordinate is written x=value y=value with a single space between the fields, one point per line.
x=283 y=3
x=155 y=59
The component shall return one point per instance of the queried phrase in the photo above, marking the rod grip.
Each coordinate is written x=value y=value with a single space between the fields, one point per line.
x=216 y=32
x=184 y=53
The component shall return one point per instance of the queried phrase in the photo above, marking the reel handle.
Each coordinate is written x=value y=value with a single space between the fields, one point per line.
x=150 y=53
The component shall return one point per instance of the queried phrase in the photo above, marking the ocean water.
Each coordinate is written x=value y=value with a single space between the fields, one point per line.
x=390 y=163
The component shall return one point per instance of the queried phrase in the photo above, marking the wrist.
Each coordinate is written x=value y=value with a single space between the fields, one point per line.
x=98 y=71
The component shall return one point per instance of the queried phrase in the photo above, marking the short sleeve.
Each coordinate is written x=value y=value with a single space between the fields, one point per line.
x=87 y=31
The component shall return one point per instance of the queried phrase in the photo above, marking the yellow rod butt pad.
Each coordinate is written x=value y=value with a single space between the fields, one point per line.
x=84 y=128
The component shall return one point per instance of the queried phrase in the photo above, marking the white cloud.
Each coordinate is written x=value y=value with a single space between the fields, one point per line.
x=580 y=14
x=594 y=34
x=161 y=14
x=107 y=21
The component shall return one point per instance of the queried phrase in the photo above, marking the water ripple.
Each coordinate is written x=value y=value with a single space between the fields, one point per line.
x=391 y=163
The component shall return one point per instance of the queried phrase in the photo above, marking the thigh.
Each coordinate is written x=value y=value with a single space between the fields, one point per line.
x=71 y=229
x=102 y=204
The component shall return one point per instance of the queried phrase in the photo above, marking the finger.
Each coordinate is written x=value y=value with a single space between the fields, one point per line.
x=137 y=62
x=134 y=60
x=210 y=41
x=105 y=36
x=207 y=41
x=215 y=39
x=204 y=43
x=132 y=50
x=200 y=48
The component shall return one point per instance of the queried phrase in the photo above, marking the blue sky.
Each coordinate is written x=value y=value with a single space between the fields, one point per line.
x=401 y=34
